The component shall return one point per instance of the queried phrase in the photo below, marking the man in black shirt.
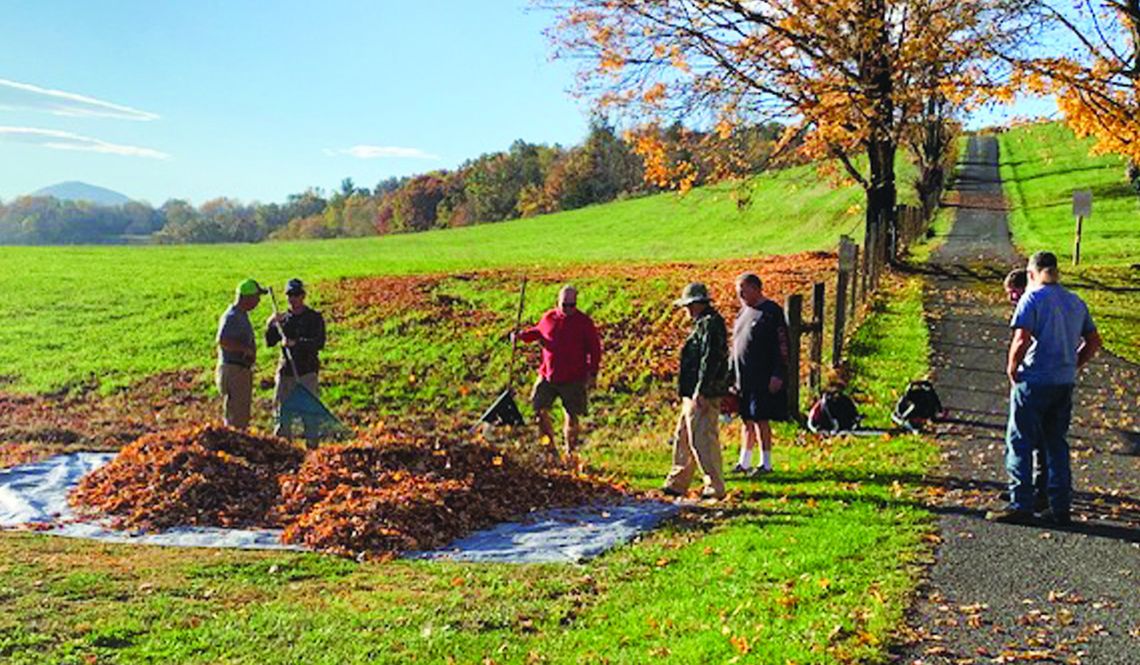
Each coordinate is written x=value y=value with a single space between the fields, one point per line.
x=759 y=364
x=304 y=337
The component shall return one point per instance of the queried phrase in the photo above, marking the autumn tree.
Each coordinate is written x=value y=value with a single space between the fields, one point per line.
x=414 y=205
x=848 y=75
x=1096 y=83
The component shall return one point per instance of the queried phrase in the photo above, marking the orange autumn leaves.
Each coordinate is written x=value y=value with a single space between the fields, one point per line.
x=388 y=491
x=847 y=73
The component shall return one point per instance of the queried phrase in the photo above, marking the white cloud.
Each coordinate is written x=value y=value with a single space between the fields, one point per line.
x=60 y=140
x=14 y=94
x=381 y=151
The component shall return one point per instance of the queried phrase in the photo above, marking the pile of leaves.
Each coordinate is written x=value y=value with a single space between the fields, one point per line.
x=397 y=490
x=389 y=491
x=202 y=476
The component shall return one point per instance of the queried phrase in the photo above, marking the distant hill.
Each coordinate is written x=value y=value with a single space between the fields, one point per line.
x=81 y=191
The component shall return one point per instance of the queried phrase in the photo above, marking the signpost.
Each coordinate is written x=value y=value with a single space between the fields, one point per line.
x=1082 y=208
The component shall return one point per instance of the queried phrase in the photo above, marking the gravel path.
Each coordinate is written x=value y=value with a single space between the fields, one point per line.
x=1005 y=593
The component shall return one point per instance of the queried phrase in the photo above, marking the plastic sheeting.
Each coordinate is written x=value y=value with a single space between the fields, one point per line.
x=567 y=535
x=35 y=496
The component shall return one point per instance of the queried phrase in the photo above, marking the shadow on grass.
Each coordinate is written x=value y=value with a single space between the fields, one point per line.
x=1125 y=510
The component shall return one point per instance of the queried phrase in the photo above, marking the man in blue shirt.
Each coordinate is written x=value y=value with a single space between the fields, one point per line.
x=1053 y=336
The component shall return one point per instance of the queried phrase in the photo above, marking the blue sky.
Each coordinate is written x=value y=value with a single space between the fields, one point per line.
x=258 y=100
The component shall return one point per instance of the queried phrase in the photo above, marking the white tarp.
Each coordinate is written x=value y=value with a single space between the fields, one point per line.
x=36 y=495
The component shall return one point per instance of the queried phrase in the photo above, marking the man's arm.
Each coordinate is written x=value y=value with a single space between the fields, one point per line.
x=1092 y=344
x=779 y=359
x=1018 y=346
x=532 y=334
x=713 y=342
x=593 y=351
x=234 y=346
x=272 y=335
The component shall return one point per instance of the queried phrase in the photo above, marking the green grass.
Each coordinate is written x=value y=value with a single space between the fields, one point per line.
x=813 y=564
x=107 y=316
x=1041 y=167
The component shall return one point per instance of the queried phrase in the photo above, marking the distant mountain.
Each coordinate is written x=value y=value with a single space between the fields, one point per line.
x=81 y=191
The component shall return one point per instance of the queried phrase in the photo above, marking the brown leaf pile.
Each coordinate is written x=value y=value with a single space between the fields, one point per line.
x=389 y=491
x=203 y=476
x=397 y=491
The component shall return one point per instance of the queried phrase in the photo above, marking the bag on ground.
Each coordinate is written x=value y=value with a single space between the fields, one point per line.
x=832 y=413
x=918 y=405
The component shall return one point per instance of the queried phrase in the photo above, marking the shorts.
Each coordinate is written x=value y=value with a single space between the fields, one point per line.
x=572 y=394
x=764 y=405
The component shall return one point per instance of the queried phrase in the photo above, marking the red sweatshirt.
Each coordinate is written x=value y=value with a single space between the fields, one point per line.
x=571 y=348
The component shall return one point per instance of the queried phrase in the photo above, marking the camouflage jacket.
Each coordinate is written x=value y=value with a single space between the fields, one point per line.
x=704 y=357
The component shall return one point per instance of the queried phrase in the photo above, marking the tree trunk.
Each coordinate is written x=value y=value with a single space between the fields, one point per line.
x=875 y=72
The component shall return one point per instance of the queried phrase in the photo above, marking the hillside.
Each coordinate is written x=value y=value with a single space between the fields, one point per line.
x=1042 y=165
x=152 y=309
x=81 y=191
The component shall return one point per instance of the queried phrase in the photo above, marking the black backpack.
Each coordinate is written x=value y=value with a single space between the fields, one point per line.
x=918 y=405
x=833 y=412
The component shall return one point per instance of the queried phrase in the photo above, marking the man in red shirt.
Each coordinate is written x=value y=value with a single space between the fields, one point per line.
x=571 y=354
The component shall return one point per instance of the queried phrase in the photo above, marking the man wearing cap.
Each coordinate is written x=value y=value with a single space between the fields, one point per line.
x=237 y=351
x=702 y=381
x=1053 y=337
x=304 y=338
x=571 y=356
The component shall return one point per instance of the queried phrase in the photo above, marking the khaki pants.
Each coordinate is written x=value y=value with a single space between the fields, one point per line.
x=696 y=442
x=235 y=383
x=285 y=385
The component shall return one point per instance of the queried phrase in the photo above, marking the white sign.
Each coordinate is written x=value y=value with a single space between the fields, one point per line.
x=1082 y=203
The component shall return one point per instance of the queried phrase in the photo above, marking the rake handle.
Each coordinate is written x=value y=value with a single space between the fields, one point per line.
x=515 y=337
x=281 y=331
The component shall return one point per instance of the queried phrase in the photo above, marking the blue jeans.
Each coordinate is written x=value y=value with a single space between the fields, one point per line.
x=1039 y=420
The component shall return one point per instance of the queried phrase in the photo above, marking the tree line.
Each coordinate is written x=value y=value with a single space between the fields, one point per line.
x=525 y=180
x=859 y=80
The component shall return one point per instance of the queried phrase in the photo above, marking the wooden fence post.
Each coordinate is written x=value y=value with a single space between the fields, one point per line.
x=847 y=250
x=815 y=345
x=1077 y=241
x=855 y=275
x=894 y=242
x=794 y=309
x=868 y=260
x=871 y=249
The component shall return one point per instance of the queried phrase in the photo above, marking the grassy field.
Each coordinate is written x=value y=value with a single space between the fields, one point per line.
x=1041 y=167
x=77 y=317
x=813 y=564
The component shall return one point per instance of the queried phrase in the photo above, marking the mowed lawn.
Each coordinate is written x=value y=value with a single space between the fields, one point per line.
x=812 y=564
x=76 y=317
x=1041 y=166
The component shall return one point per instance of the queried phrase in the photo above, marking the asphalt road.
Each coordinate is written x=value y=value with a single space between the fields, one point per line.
x=1005 y=593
